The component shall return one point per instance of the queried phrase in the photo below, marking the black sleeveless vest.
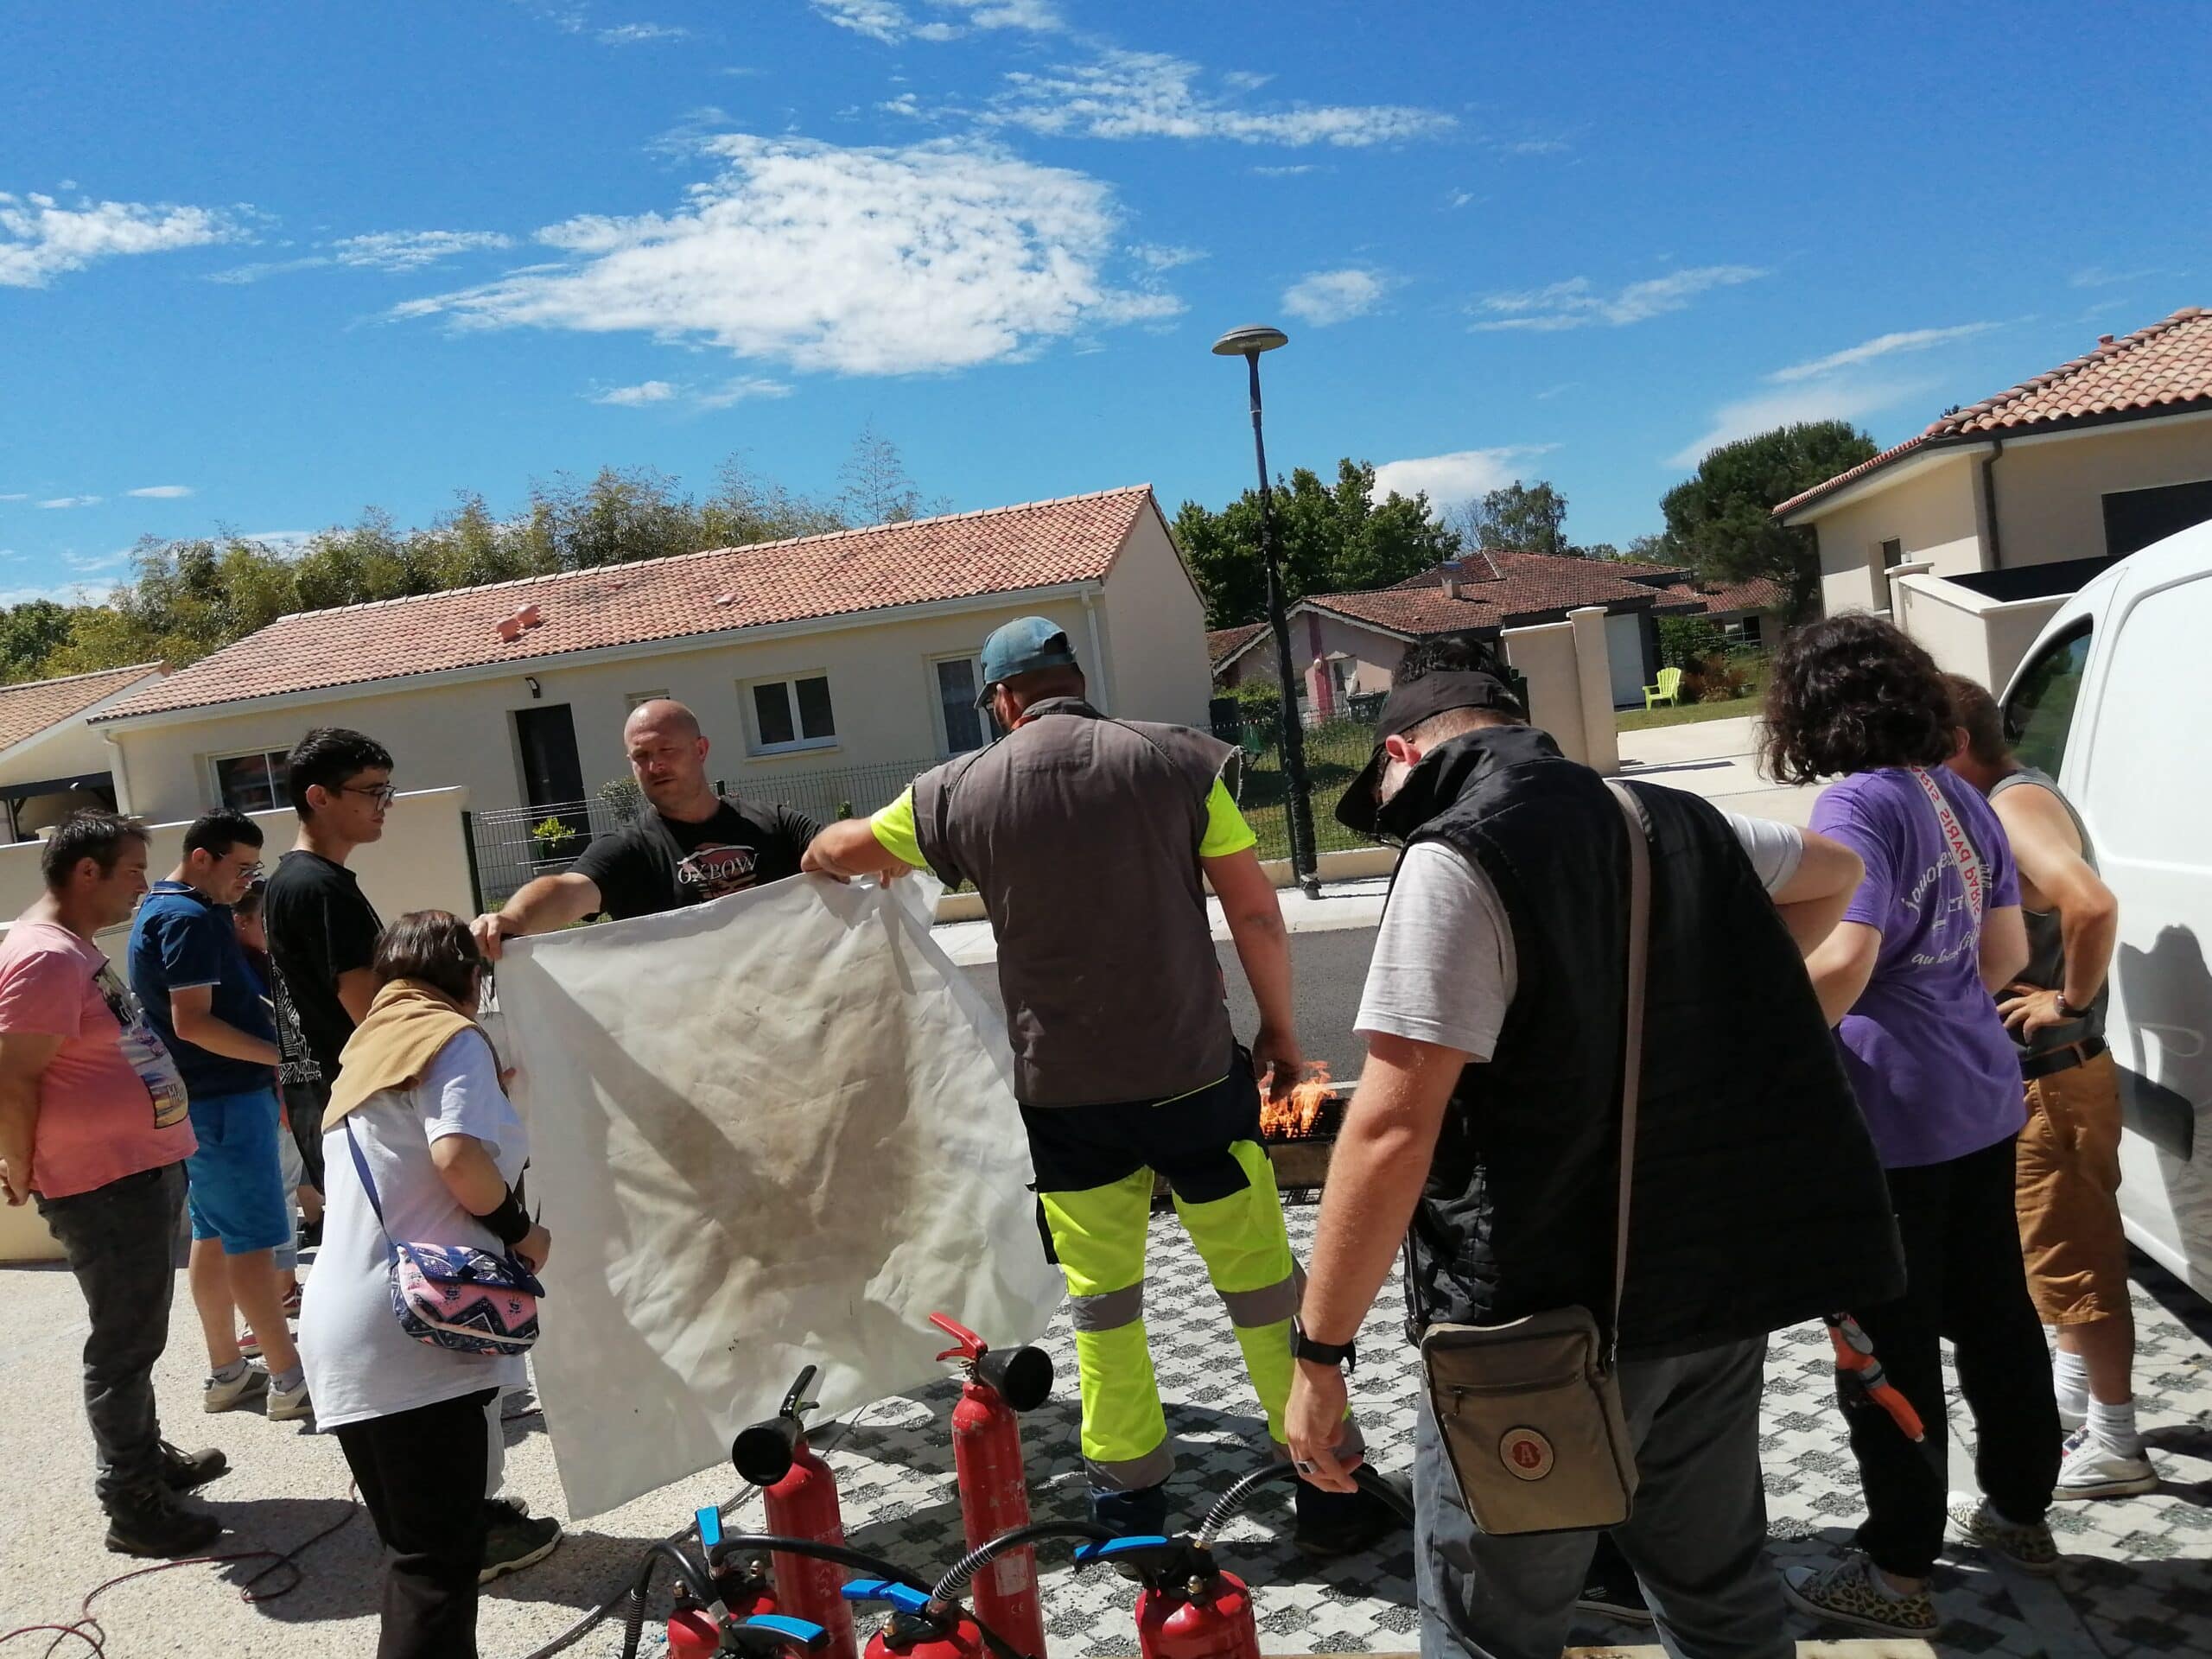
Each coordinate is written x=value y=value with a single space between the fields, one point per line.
x=1759 y=1199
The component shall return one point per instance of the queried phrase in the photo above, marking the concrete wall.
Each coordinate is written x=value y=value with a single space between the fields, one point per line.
x=1547 y=657
x=1153 y=631
x=421 y=863
x=2051 y=491
x=1967 y=633
x=882 y=691
x=1935 y=513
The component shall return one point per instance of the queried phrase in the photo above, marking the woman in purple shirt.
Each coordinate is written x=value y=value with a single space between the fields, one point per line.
x=1907 y=974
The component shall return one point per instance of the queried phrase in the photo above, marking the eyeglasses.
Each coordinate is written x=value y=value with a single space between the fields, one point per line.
x=382 y=794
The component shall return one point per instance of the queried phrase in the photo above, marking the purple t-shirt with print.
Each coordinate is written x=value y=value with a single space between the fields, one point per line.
x=1934 y=1071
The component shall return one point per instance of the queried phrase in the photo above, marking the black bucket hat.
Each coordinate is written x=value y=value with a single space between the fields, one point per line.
x=1409 y=703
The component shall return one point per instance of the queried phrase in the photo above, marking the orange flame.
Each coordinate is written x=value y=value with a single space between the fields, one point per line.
x=1293 y=1115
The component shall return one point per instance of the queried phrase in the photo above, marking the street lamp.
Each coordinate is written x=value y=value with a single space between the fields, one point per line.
x=1248 y=343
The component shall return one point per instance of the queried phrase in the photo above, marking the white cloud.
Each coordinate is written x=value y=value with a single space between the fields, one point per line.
x=411 y=250
x=2098 y=277
x=1576 y=304
x=1909 y=340
x=61 y=501
x=884 y=21
x=1550 y=392
x=161 y=492
x=40 y=238
x=1161 y=257
x=89 y=562
x=1151 y=95
x=640 y=34
x=1327 y=296
x=856 y=260
x=18 y=496
x=75 y=593
x=1833 y=400
x=1293 y=171
x=1460 y=476
x=1458 y=199
x=646 y=391
x=720 y=396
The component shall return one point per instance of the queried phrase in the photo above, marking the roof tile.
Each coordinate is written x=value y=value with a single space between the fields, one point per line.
x=27 y=709
x=2165 y=367
x=1502 y=587
x=1004 y=549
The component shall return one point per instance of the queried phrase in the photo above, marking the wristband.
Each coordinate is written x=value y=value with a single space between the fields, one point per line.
x=510 y=1223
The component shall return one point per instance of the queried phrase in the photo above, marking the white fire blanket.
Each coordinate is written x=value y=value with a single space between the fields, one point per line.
x=771 y=1131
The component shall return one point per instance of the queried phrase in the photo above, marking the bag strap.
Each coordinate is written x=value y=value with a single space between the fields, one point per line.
x=1958 y=846
x=369 y=1186
x=1639 y=940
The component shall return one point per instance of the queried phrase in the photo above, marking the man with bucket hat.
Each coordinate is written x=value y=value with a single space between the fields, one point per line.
x=1487 y=1133
x=1091 y=840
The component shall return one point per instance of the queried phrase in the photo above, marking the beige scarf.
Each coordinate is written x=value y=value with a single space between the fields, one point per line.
x=409 y=1025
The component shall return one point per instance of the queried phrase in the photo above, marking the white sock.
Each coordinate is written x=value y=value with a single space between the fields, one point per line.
x=2114 y=1427
x=2070 y=1372
x=230 y=1373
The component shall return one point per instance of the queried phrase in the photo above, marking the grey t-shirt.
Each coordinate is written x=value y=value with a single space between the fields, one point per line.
x=1443 y=970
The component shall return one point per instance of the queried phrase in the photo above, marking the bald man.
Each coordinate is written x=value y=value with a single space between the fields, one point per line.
x=692 y=846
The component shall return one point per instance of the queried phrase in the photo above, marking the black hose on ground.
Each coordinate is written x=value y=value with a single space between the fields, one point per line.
x=1231 y=1503
x=963 y=1571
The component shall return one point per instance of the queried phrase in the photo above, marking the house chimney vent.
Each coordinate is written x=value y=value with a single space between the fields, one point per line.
x=2104 y=339
x=1452 y=587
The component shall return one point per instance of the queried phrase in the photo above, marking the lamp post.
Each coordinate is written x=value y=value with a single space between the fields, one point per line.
x=1248 y=343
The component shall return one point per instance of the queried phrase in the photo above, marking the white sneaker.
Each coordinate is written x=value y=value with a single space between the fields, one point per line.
x=2069 y=1420
x=241 y=1390
x=2092 y=1468
x=290 y=1405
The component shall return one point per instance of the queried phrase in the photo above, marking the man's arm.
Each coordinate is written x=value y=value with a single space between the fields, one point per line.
x=545 y=906
x=1376 y=1172
x=192 y=1013
x=24 y=1056
x=848 y=849
x=1254 y=919
x=2004 y=947
x=1841 y=966
x=357 y=987
x=1812 y=902
x=2049 y=852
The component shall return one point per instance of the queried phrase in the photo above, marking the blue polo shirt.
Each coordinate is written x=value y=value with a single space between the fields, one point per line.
x=180 y=940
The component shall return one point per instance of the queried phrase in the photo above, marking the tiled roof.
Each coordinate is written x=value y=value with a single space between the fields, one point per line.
x=1005 y=549
x=1760 y=594
x=2164 y=368
x=1499 y=588
x=1222 y=643
x=27 y=709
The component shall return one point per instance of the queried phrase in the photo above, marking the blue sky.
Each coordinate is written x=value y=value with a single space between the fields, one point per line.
x=262 y=266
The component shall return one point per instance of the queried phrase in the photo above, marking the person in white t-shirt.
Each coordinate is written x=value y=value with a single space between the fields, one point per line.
x=446 y=1150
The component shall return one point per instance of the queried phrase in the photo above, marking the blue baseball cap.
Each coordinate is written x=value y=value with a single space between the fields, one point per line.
x=1023 y=646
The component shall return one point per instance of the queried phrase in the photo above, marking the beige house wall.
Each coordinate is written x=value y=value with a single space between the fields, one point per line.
x=421 y=862
x=446 y=734
x=1153 y=631
x=1935 y=513
x=2051 y=491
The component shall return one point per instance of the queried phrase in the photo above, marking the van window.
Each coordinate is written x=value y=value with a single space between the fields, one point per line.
x=2039 y=714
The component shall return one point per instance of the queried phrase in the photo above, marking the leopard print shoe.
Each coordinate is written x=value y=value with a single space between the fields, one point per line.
x=1847 y=1593
x=2031 y=1548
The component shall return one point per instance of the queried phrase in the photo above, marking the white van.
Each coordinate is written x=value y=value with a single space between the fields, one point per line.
x=2115 y=700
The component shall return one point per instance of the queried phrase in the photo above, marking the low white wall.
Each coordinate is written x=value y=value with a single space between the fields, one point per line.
x=1569 y=676
x=1967 y=633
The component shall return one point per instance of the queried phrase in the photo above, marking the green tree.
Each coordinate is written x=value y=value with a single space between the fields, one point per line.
x=1531 y=518
x=877 y=489
x=29 y=633
x=1721 y=520
x=1334 y=537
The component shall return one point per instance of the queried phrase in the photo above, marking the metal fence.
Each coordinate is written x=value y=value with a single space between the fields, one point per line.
x=517 y=844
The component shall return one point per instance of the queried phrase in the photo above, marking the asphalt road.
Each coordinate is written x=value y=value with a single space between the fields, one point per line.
x=1327 y=971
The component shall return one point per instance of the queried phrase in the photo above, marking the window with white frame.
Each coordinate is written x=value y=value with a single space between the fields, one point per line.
x=250 y=783
x=632 y=699
x=791 y=714
x=961 y=725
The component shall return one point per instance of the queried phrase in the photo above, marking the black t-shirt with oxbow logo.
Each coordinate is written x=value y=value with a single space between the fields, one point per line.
x=654 y=863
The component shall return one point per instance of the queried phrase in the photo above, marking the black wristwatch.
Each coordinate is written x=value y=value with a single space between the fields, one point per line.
x=2066 y=1010
x=1322 y=1353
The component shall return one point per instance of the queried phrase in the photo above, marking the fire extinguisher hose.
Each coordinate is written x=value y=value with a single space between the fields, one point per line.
x=962 y=1572
x=1231 y=1503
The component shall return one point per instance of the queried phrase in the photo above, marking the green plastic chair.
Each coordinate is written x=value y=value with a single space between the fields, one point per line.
x=1668 y=690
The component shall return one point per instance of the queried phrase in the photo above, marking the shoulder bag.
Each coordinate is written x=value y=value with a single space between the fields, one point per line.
x=456 y=1296
x=1530 y=1411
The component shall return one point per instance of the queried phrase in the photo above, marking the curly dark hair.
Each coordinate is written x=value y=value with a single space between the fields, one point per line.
x=1850 y=694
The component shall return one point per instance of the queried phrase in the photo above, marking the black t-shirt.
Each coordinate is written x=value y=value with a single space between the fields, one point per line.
x=654 y=863
x=320 y=926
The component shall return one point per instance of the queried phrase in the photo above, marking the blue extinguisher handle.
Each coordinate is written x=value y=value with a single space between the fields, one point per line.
x=903 y=1597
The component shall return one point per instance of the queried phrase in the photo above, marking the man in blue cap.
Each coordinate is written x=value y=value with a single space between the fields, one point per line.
x=1091 y=839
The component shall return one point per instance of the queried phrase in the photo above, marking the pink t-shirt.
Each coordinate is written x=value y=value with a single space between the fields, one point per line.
x=110 y=1102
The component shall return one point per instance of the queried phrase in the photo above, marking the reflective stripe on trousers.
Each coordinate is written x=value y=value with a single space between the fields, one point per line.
x=1099 y=1235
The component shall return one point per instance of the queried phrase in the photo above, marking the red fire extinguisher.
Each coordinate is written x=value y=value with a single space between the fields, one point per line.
x=994 y=1485
x=918 y=1628
x=1190 y=1607
x=801 y=1495
x=739 y=1582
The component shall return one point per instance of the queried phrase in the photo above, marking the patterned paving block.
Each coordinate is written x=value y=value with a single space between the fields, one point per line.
x=2136 y=1581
